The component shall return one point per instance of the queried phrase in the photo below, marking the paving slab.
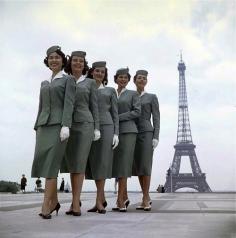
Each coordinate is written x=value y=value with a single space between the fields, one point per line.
x=185 y=215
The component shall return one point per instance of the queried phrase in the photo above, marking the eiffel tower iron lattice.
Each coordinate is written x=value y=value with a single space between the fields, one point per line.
x=184 y=147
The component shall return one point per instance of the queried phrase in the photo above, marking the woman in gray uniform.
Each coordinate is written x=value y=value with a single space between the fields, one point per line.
x=99 y=166
x=129 y=109
x=147 y=138
x=84 y=129
x=52 y=127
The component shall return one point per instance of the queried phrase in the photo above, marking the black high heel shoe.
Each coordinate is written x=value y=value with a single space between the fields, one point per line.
x=77 y=214
x=115 y=209
x=70 y=212
x=57 y=207
x=47 y=216
x=95 y=209
x=140 y=207
x=148 y=208
x=127 y=202
x=101 y=211
x=121 y=209
x=105 y=204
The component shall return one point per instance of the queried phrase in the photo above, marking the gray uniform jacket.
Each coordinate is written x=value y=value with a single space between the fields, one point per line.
x=149 y=106
x=108 y=108
x=129 y=109
x=86 y=106
x=56 y=102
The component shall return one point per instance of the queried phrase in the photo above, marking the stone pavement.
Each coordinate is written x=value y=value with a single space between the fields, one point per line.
x=185 y=215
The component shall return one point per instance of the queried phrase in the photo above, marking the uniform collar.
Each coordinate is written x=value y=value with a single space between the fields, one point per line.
x=57 y=76
x=81 y=79
x=101 y=86
x=123 y=90
x=142 y=93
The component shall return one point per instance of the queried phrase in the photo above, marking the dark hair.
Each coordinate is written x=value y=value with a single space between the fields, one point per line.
x=104 y=81
x=135 y=77
x=116 y=76
x=64 y=60
x=68 y=69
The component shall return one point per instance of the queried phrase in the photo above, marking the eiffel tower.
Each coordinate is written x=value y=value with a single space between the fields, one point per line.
x=184 y=147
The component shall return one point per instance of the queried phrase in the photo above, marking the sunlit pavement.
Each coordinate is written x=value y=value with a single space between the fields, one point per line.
x=193 y=215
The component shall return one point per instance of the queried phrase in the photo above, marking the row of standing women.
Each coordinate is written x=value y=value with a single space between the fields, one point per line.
x=90 y=130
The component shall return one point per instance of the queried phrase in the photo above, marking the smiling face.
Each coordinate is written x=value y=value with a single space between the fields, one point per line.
x=55 y=62
x=99 y=74
x=122 y=80
x=140 y=82
x=77 y=64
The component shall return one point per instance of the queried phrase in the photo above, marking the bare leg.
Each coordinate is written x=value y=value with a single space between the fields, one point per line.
x=125 y=194
x=140 y=178
x=76 y=184
x=55 y=197
x=49 y=195
x=122 y=191
x=146 y=186
x=100 y=193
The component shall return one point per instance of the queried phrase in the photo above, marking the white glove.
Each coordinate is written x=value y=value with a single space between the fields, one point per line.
x=115 y=141
x=97 y=135
x=65 y=133
x=154 y=143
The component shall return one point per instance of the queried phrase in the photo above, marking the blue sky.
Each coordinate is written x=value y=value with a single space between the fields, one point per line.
x=137 y=34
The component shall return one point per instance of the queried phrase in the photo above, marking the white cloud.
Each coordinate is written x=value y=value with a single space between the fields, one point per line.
x=224 y=72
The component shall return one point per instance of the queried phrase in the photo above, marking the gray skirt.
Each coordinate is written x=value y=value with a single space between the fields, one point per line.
x=143 y=154
x=100 y=159
x=123 y=156
x=78 y=147
x=49 y=152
